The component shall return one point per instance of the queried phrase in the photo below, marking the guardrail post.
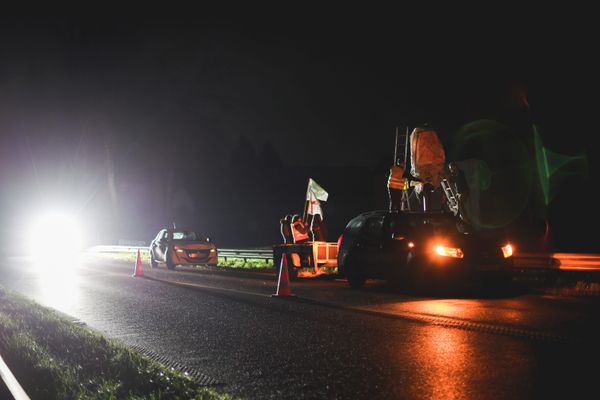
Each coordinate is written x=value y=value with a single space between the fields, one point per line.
x=11 y=382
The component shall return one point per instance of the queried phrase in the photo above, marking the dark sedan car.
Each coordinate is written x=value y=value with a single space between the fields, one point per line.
x=181 y=246
x=421 y=248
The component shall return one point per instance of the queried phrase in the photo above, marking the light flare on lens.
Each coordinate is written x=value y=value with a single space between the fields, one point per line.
x=54 y=236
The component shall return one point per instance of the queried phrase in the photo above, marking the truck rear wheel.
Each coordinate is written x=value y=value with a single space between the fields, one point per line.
x=292 y=272
x=355 y=277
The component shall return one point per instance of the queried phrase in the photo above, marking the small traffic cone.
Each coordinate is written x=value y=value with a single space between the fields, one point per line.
x=138 y=265
x=283 y=283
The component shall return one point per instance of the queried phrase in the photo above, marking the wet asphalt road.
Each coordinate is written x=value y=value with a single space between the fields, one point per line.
x=330 y=342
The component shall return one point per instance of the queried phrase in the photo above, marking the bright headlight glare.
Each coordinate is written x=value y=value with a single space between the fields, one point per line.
x=55 y=234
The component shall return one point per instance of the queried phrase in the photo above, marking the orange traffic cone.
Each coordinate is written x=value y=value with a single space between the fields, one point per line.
x=283 y=283
x=138 y=265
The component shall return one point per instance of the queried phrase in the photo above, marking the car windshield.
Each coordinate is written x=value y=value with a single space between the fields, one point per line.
x=188 y=235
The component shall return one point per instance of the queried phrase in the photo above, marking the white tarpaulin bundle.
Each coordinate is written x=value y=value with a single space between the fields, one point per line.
x=427 y=156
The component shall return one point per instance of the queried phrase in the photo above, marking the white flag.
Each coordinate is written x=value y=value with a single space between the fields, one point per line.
x=317 y=191
x=314 y=205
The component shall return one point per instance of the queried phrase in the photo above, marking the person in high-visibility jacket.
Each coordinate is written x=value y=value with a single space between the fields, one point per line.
x=299 y=230
x=396 y=183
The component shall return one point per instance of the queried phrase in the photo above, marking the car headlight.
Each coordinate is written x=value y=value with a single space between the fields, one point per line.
x=178 y=249
x=55 y=234
x=213 y=250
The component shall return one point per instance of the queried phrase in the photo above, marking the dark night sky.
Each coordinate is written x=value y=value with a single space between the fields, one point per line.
x=324 y=90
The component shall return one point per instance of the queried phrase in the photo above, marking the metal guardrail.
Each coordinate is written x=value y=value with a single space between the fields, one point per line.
x=115 y=249
x=257 y=254
x=252 y=254
x=11 y=382
x=551 y=261
x=559 y=261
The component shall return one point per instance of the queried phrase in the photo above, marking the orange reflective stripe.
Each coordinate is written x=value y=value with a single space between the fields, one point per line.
x=298 y=235
x=396 y=179
x=396 y=183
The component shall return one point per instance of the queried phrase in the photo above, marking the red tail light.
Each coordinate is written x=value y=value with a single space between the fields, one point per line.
x=339 y=241
x=507 y=250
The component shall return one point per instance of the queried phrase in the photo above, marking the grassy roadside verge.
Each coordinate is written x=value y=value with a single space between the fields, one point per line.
x=52 y=358
x=230 y=262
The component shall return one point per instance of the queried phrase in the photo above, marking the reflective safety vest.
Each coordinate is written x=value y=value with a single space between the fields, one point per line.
x=297 y=228
x=396 y=180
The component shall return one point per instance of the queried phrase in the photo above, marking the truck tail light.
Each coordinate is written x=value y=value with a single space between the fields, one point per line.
x=453 y=252
x=507 y=250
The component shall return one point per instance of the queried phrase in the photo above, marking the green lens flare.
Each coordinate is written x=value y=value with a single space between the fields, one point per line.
x=554 y=168
x=511 y=175
x=502 y=172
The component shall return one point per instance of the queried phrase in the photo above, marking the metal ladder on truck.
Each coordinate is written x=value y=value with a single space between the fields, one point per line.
x=403 y=143
x=450 y=196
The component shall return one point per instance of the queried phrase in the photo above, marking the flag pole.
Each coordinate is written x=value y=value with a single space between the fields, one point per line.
x=395 y=147
x=406 y=149
x=304 y=216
